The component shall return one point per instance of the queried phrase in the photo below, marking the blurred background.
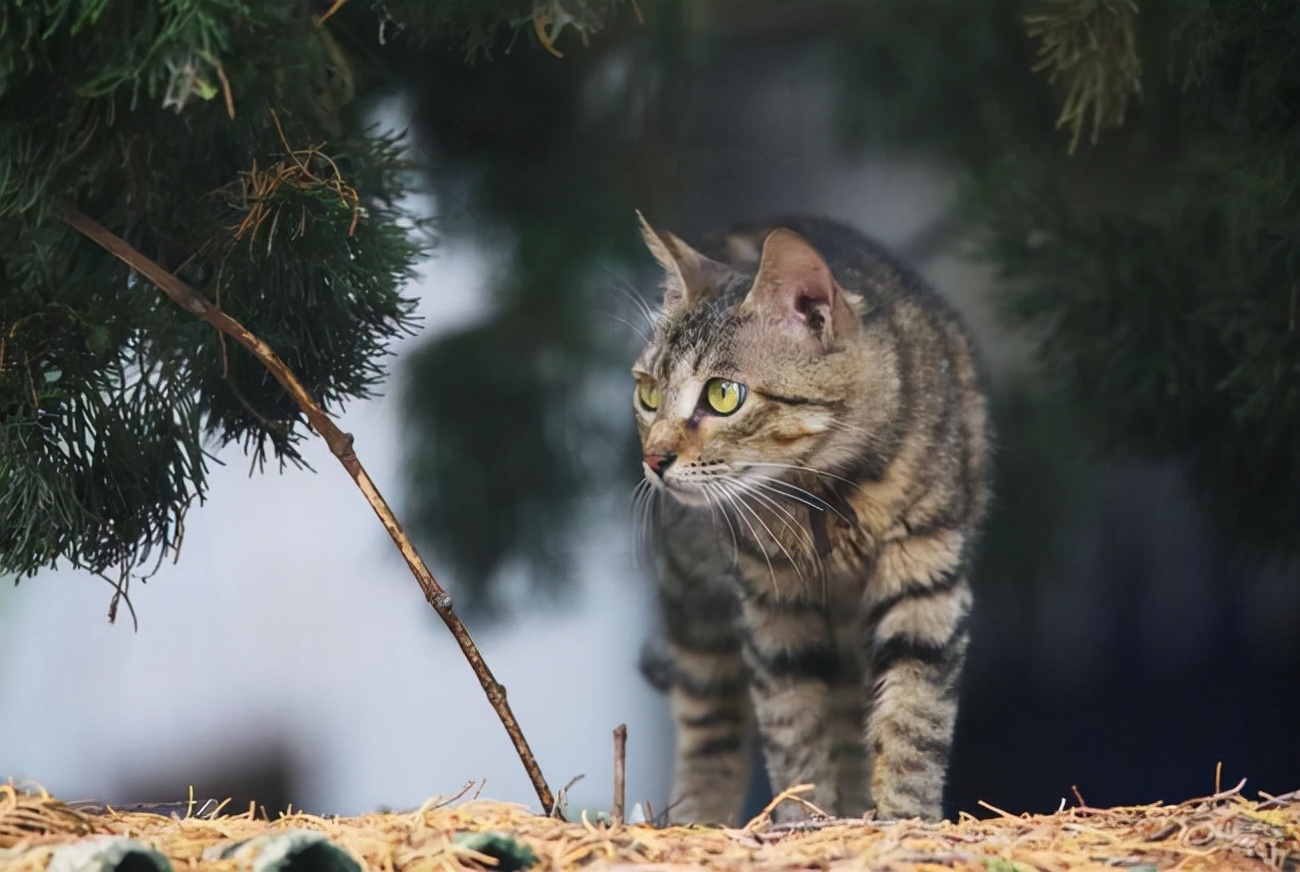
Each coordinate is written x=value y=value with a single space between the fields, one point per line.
x=1130 y=276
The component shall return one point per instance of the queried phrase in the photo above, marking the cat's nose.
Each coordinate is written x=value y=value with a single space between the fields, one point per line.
x=659 y=462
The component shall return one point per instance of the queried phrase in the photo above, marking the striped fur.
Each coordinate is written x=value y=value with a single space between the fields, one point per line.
x=814 y=548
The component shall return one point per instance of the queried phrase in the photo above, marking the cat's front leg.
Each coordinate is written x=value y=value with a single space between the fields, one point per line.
x=703 y=671
x=711 y=708
x=915 y=622
x=794 y=671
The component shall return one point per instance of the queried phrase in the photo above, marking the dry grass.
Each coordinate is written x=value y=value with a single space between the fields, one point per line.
x=1224 y=831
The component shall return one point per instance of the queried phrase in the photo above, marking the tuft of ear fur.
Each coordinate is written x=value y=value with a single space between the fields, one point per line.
x=688 y=275
x=794 y=288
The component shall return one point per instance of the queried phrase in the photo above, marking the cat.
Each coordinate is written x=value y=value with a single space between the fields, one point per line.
x=813 y=413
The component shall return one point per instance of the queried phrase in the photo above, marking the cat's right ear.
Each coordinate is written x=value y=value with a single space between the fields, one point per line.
x=794 y=287
x=688 y=275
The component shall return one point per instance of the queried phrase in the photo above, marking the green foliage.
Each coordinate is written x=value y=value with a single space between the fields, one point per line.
x=1001 y=864
x=1091 y=46
x=215 y=137
x=1156 y=269
x=483 y=25
x=1163 y=282
x=952 y=80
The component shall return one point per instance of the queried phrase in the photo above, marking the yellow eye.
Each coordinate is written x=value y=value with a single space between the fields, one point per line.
x=724 y=396
x=648 y=393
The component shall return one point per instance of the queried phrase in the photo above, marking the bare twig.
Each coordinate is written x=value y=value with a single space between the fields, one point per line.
x=1221 y=795
x=1281 y=800
x=329 y=13
x=340 y=445
x=995 y=809
x=562 y=796
x=763 y=820
x=620 y=772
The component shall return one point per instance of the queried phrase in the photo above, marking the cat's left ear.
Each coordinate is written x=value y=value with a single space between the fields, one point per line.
x=794 y=288
x=688 y=275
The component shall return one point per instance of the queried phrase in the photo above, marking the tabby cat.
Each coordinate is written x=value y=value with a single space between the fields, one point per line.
x=814 y=413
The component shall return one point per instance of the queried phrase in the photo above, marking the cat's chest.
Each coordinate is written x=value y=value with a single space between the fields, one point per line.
x=802 y=550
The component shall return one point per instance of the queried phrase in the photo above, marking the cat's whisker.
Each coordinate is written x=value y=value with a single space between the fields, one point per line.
x=642 y=306
x=803 y=495
x=638 y=499
x=739 y=496
x=758 y=540
x=645 y=503
x=791 y=523
x=638 y=330
x=795 y=466
x=716 y=508
x=868 y=438
x=789 y=520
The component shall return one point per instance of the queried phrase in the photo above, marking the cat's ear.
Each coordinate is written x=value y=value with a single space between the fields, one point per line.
x=688 y=275
x=794 y=288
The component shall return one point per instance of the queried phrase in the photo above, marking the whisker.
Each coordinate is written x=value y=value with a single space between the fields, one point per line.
x=794 y=466
x=803 y=495
x=740 y=501
x=716 y=508
x=637 y=300
x=758 y=540
x=789 y=520
x=645 y=503
x=792 y=524
x=639 y=331
x=638 y=498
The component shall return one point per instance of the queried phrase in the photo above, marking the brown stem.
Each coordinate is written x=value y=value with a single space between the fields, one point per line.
x=340 y=445
x=620 y=772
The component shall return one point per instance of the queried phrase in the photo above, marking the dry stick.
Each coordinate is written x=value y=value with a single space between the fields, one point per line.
x=340 y=445
x=620 y=772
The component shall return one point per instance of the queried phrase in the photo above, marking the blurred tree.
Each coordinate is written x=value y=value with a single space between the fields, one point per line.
x=548 y=158
x=1156 y=261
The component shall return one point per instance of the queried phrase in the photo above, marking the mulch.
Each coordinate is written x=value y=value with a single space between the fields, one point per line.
x=1224 y=831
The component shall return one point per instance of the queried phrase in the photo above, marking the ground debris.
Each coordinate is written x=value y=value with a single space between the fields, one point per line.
x=1223 y=831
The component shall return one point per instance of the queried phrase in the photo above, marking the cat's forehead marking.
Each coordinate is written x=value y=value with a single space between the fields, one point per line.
x=703 y=337
x=683 y=389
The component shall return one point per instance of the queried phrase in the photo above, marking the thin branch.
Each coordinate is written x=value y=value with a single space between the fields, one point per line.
x=340 y=445
x=620 y=772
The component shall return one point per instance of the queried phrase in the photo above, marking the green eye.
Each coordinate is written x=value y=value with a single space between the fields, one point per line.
x=649 y=395
x=724 y=396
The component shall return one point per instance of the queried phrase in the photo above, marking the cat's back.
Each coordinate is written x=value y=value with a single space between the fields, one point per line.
x=858 y=262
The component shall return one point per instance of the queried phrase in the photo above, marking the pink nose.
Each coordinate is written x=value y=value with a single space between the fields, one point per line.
x=659 y=462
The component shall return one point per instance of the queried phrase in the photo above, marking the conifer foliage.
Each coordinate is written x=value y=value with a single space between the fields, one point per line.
x=1152 y=246
x=1164 y=271
x=218 y=138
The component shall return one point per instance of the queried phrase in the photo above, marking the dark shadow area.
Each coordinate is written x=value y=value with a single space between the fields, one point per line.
x=261 y=777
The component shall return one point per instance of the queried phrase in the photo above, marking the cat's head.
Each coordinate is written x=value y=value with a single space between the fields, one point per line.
x=751 y=374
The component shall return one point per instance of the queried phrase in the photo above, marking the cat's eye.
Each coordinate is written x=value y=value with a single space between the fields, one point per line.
x=724 y=397
x=649 y=395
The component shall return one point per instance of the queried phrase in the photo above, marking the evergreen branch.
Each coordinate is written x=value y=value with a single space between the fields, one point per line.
x=1091 y=46
x=340 y=445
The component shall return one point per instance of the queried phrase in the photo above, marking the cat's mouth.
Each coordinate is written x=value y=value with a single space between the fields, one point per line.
x=687 y=490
